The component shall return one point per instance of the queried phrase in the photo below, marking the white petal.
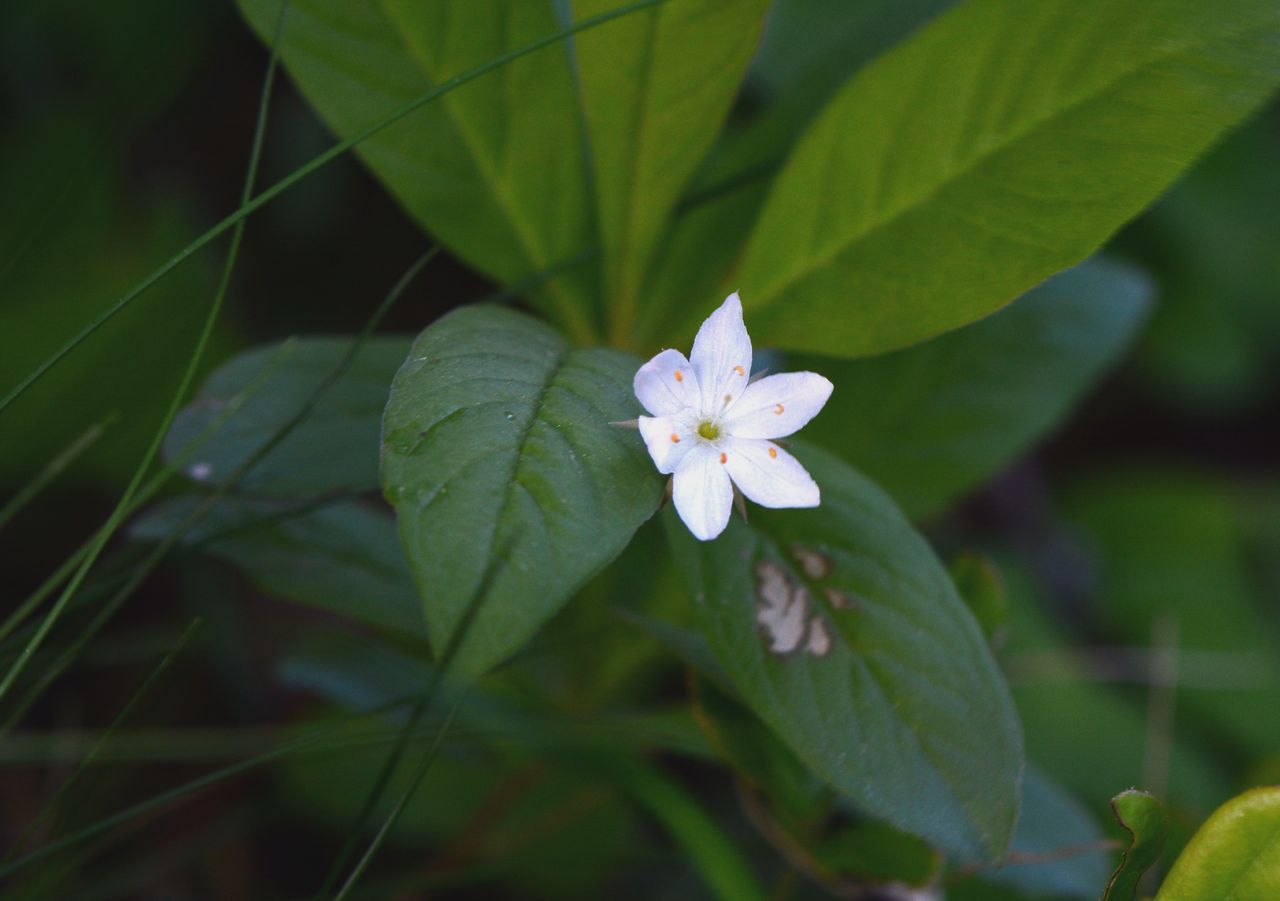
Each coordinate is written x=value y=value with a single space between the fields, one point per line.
x=668 y=440
x=722 y=356
x=769 y=475
x=702 y=492
x=667 y=384
x=777 y=405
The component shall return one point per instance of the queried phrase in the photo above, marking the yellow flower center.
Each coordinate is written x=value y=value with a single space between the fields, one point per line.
x=709 y=430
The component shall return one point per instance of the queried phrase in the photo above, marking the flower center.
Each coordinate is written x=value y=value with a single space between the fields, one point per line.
x=709 y=430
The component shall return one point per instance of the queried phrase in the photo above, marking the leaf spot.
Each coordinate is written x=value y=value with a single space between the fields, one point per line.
x=813 y=564
x=839 y=600
x=785 y=616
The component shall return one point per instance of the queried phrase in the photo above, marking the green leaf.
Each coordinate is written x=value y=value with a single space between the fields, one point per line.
x=340 y=557
x=1144 y=819
x=510 y=485
x=1235 y=855
x=334 y=449
x=1000 y=144
x=656 y=87
x=757 y=757
x=808 y=50
x=494 y=170
x=932 y=422
x=890 y=693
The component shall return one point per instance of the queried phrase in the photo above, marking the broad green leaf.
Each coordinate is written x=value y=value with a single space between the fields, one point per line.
x=932 y=422
x=511 y=487
x=808 y=50
x=493 y=170
x=887 y=691
x=1143 y=817
x=334 y=449
x=1235 y=855
x=656 y=87
x=339 y=557
x=797 y=800
x=1000 y=144
x=1169 y=547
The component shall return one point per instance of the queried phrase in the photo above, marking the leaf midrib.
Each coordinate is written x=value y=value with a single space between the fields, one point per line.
x=768 y=294
x=490 y=176
x=512 y=481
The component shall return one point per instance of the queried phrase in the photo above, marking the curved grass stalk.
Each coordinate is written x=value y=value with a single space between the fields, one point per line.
x=160 y=551
x=99 y=541
x=56 y=466
x=311 y=740
x=50 y=806
x=302 y=172
x=149 y=490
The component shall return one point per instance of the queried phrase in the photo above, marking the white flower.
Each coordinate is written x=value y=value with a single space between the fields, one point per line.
x=711 y=425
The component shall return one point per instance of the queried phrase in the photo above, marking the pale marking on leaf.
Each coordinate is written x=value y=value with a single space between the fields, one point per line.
x=819 y=638
x=784 y=613
x=838 y=599
x=813 y=564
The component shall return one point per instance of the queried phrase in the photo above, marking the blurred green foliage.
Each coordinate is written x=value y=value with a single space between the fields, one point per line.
x=1090 y=446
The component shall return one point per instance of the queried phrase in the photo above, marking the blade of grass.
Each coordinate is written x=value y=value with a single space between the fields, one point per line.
x=392 y=762
x=56 y=466
x=311 y=740
x=302 y=172
x=184 y=383
x=711 y=852
x=387 y=824
x=188 y=452
x=158 y=553
x=50 y=806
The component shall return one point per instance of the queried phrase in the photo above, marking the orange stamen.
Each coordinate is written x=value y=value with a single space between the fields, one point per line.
x=675 y=439
x=724 y=458
x=679 y=376
x=777 y=410
x=739 y=370
x=773 y=452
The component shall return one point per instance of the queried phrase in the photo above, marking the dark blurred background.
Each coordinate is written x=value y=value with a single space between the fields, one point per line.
x=124 y=133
